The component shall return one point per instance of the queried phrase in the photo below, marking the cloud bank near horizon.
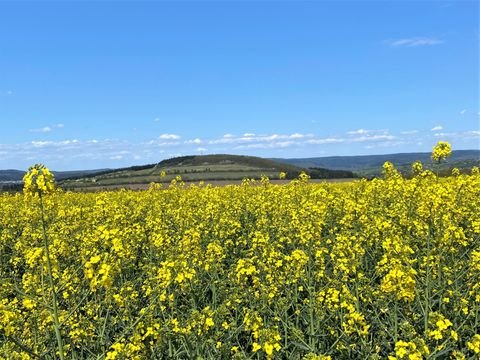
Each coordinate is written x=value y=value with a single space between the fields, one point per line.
x=101 y=153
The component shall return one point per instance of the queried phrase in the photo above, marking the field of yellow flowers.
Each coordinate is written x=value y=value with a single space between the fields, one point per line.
x=381 y=269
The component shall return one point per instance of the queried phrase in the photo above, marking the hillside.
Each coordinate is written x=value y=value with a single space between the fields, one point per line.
x=17 y=175
x=371 y=165
x=11 y=175
x=198 y=168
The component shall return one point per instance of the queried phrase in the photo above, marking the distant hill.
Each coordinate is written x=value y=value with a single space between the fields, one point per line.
x=198 y=168
x=237 y=167
x=11 y=175
x=372 y=164
x=17 y=175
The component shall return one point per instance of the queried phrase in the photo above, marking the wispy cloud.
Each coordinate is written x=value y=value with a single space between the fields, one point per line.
x=463 y=112
x=363 y=135
x=367 y=132
x=358 y=132
x=47 y=129
x=194 y=141
x=437 y=128
x=325 y=141
x=162 y=143
x=461 y=135
x=372 y=138
x=414 y=42
x=442 y=134
x=255 y=140
x=409 y=132
x=472 y=134
x=169 y=137
x=115 y=152
x=279 y=141
x=266 y=145
x=385 y=144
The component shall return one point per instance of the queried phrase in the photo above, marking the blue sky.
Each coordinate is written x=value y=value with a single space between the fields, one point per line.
x=110 y=84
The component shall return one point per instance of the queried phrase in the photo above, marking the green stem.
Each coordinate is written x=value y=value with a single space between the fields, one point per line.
x=427 y=290
x=396 y=321
x=56 y=321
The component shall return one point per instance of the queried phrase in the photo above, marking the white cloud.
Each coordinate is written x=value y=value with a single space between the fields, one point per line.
x=408 y=132
x=465 y=135
x=156 y=119
x=123 y=153
x=368 y=132
x=9 y=92
x=325 y=141
x=472 y=133
x=169 y=137
x=68 y=142
x=442 y=135
x=463 y=112
x=437 y=128
x=252 y=141
x=414 y=42
x=363 y=135
x=194 y=141
x=41 y=143
x=57 y=144
x=162 y=142
x=358 y=132
x=269 y=145
x=372 y=138
x=45 y=129
x=297 y=136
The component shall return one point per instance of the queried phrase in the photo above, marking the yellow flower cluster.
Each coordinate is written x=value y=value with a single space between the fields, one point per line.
x=441 y=327
x=441 y=151
x=411 y=350
x=38 y=181
x=474 y=344
x=368 y=269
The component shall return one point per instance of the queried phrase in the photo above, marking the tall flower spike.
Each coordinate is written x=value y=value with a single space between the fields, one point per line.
x=38 y=180
x=441 y=151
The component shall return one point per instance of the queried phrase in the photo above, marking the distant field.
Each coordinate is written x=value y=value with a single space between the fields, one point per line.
x=215 y=183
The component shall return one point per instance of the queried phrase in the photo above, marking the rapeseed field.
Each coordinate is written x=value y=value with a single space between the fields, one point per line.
x=380 y=269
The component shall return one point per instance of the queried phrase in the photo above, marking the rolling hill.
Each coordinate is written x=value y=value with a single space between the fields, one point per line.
x=17 y=175
x=371 y=165
x=236 y=167
x=198 y=168
x=11 y=175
